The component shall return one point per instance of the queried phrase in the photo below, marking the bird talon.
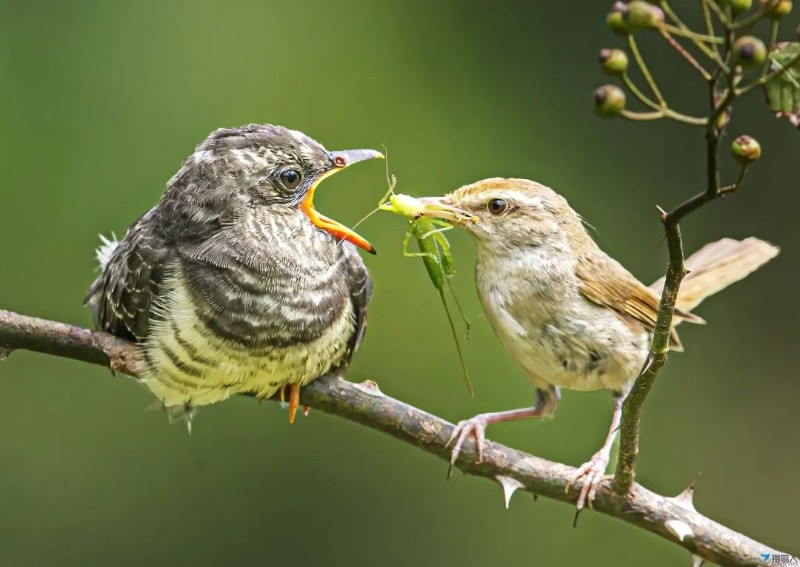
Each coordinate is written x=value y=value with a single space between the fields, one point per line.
x=591 y=474
x=463 y=430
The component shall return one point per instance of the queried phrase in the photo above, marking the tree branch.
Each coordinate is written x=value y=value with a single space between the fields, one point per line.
x=719 y=111
x=674 y=519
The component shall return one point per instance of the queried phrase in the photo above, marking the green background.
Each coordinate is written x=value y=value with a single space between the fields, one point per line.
x=100 y=101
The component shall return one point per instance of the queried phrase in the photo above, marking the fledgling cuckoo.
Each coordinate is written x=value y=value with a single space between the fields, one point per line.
x=233 y=283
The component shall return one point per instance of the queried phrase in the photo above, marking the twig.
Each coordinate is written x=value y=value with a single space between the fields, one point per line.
x=365 y=404
x=685 y=54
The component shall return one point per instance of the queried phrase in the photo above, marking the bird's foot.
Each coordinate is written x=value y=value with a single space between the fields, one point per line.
x=592 y=473
x=474 y=427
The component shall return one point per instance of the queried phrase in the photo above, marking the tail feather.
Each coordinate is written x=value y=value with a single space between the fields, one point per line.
x=106 y=249
x=716 y=266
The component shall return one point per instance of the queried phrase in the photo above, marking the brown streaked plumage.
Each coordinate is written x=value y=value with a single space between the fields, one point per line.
x=569 y=315
x=233 y=283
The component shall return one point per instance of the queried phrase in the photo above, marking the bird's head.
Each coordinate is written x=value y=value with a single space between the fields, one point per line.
x=262 y=164
x=512 y=213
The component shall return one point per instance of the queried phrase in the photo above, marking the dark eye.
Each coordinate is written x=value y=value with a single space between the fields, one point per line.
x=290 y=178
x=497 y=206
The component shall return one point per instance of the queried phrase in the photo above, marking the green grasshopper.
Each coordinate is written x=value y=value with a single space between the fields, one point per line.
x=434 y=249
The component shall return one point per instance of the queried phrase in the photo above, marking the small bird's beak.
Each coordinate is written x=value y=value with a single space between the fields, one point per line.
x=341 y=160
x=442 y=208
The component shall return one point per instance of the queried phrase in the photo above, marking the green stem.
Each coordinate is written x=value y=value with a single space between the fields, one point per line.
x=663 y=113
x=698 y=39
x=642 y=116
x=644 y=99
x=723 y=18
x=645 y=71
x=773 y=34
x=739 y=182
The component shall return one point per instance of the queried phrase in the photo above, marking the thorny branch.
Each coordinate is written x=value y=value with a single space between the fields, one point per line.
x=674 y=519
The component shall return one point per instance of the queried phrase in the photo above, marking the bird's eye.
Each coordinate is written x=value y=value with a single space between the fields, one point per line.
x=497 y=206
x=290 y=178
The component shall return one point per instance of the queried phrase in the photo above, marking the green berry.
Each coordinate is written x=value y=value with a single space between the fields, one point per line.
x=614 y=61
x=640 y=15
x=739 y=6
x=609 y=101
x=745 y=149
x=615 y=20
x=750 y=51
x=776 y=10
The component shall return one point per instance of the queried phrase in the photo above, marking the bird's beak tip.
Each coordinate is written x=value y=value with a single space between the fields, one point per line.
x=345 y=158
x=442 y=208
x=341 y=160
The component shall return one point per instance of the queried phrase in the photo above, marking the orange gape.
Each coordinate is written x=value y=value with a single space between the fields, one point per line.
x=331 y=226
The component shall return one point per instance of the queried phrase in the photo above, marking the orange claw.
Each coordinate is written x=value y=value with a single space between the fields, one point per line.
x=294 y=400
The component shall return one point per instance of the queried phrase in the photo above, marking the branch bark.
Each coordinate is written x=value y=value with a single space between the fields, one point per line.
x=674 y=519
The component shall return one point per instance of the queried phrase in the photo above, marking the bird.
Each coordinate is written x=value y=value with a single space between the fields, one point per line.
x=568 y=314
x=233 y=283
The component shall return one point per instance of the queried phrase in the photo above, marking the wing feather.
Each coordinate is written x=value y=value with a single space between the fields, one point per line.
x=123 y=296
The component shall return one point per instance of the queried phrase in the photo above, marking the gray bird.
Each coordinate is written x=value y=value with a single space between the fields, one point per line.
x=233 y=283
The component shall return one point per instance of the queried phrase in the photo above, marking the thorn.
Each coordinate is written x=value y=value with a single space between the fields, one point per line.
x=535 y=497
x=369 y=387
x=648 y=362
x=510 y=486
x=450 y=471
x=662 y=212
x=189 y=412
x=575 y=518
x=696 y=560
x=686 y=498
x=306 y=409
x=679 y=529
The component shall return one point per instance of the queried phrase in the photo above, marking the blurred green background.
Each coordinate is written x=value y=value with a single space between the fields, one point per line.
x=102 y=100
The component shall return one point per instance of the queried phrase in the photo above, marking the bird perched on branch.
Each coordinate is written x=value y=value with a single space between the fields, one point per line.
x=569 y=315
x=233 y=283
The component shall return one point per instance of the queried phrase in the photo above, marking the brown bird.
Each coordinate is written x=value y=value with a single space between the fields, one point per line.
x=233 y=283
x=569 y=315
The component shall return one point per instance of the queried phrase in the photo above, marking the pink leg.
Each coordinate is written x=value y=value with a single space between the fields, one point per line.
x=593 y=471
x=546 y=403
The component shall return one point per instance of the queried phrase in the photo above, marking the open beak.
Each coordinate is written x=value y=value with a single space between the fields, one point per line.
x=441 y=208
x=341 y=160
